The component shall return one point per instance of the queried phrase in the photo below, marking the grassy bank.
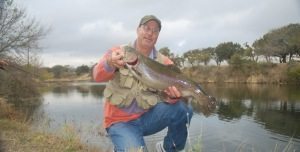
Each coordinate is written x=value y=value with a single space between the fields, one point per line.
x=82 y=78
x=268 y=73
x=17 y=136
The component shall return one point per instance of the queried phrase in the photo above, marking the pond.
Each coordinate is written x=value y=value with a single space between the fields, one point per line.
x=249 y=118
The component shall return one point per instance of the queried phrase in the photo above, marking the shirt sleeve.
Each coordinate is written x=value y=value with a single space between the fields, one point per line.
x=102 y=71
x=167 y=61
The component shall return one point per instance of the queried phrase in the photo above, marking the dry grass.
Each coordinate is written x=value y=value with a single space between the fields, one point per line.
x=21 y=139
x=16 y=135
x=253 y=73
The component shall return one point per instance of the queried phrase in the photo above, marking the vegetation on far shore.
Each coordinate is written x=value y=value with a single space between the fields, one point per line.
x=258 y=73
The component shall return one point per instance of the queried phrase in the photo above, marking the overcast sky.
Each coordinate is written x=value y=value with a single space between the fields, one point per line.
x=82 y=30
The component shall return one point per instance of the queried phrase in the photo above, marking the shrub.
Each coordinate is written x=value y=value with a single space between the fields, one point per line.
x=293 y=72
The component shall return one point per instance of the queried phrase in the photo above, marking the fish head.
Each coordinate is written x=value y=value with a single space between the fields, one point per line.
x=130 y=55
x=203 y=103
x=131 y=59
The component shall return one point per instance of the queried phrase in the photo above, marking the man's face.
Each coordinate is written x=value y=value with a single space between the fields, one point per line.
x=147 y=34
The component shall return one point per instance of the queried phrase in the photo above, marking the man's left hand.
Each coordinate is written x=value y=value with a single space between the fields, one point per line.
x=173 y=93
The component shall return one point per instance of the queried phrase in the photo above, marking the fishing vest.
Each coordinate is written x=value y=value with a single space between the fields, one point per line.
x=124 y=88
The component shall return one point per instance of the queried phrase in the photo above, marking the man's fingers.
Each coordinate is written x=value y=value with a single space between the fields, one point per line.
x=119 y=63
x=116 y=59
x=116 y=56
x=173 y=92
x=176 y=92
x=119 y=53
x=119 y=57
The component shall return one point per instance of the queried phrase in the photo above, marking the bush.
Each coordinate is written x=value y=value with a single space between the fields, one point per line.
x=238 y=64
x=82 y=69
x=293 y=72
x=236 y=60
x=15 y=84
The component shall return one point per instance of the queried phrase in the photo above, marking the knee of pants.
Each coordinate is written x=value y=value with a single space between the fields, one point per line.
x=125 y=137
x=184 y=109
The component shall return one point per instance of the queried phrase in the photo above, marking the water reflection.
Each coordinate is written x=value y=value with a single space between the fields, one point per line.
x=230 y=110
x=277 y=107
x=84 y=89
x=250 y=117
x=27 y=107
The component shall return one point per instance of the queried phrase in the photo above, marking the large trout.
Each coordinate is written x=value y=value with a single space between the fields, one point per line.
x=158 y=76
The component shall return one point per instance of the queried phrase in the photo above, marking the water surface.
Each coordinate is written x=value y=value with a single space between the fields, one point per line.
x=249 y=117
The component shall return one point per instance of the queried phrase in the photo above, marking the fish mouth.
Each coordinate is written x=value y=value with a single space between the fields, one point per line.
x=132 y=63
x=208 y=107
x=213 y=102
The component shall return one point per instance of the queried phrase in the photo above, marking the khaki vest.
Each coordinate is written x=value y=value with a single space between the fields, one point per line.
x=124 y=88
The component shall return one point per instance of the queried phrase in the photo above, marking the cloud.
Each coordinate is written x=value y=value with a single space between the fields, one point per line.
x=105 y=27
x=83 y=30
x=181 y=43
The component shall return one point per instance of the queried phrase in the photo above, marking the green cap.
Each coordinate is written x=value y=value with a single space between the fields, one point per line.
x=147 y=18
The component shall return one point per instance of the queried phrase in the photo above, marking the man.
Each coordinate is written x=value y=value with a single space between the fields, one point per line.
x=127 y=115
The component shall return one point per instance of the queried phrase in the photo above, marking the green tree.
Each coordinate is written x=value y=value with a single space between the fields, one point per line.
x=205 y=55
x=282 y=43
x=166 y=51
x=224 y=51
x=58 y=71
x=250 y=52
x=191 y=56
x=178 y=61
x=261 y=48
x=292 y=39
x=82 y=69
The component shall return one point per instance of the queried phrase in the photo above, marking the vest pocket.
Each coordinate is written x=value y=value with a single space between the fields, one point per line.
x=126 y=79
x=115 y=98
x=147 y=99
x=118 y=96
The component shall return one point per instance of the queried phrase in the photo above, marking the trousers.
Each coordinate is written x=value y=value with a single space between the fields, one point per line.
x=129 y=136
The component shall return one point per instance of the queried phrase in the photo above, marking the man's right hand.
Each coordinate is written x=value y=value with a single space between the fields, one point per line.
x=115 y=59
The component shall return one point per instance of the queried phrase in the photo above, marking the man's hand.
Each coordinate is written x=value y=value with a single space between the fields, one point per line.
x=173 y=94
x=115 y=59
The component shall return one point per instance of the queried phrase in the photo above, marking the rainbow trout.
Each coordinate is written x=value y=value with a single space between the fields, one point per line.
x=158 y=77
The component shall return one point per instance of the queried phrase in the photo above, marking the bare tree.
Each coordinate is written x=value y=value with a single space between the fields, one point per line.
x=19 y=34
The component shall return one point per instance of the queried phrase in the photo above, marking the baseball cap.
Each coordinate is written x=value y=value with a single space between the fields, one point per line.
x=147 y=18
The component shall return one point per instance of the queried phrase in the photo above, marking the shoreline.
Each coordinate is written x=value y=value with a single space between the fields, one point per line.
x=16 y=135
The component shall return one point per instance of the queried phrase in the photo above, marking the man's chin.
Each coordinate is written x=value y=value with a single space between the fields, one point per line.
x=148 y=43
